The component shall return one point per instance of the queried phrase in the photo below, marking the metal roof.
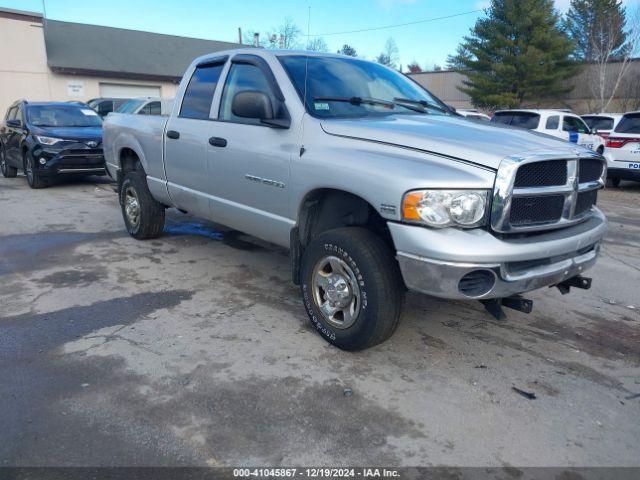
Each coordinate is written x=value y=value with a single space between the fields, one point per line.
x=93 y=49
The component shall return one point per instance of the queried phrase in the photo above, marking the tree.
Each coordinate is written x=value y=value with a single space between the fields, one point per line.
x=317 y=44
x=348 y=50
x=597 y=28
x=285 y=36
x=517 y=53
x=414 y=67
x=596 y=25
x=389 y=55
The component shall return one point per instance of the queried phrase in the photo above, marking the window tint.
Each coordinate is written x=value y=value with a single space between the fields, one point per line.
x=199 y=94
x=243 y=77
x=598 y=123
x=528 y=120
x=630 y=123
x=154 y=108
x=553 y=122
x=574 y=124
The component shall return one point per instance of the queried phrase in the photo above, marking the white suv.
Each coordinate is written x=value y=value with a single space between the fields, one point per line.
x=558 y=123
x=623 y=149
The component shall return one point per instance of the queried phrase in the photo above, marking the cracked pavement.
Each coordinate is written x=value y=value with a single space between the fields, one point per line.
x=194 y=349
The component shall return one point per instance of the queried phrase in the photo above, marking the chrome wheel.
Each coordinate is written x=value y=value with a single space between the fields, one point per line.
x=336 y=292
x=132 y=206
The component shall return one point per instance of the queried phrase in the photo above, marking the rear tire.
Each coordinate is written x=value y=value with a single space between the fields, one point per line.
x=351 y=287
x=34 y=179
x=7 y=170
x=143 y=215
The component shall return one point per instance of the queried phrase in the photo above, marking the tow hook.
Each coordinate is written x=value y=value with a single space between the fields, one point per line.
x=578 y=281
x=516 y=302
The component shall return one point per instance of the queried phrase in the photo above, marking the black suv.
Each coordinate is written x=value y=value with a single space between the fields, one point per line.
x=47 y=139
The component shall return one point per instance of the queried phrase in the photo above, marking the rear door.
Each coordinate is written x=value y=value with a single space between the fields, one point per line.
x=187 y=140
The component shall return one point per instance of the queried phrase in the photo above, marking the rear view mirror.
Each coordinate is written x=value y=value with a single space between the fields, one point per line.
x=257 y=105
x=252 y=104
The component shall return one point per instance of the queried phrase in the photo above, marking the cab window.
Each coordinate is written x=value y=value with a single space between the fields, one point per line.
x=199 y=93
x=553 y=122
x=244 y=77
x=630 y=123
x=528 y=120
x=574 y=124
x=599 y=123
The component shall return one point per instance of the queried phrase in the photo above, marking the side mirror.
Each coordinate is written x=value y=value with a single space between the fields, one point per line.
x=257 y=105
x=14 y=123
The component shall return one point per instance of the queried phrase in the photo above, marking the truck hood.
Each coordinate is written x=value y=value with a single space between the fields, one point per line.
x=454 y=137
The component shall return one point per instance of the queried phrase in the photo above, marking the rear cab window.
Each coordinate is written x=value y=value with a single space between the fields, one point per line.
x=198 y=95
x=630 y=123
x=553 y=122
x=528 y=120
x=598 y=123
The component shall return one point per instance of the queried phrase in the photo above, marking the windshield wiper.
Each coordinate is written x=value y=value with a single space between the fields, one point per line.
x=357 y=101
x=422 y=103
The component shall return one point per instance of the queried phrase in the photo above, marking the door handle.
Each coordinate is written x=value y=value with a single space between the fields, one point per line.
x=218 y=142
x=173 y=134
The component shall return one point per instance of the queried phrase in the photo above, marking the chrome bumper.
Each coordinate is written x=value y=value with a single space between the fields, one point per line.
x=435 y=261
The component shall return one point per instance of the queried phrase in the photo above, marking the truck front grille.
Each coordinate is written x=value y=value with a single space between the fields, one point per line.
x=536 y=210
x=540 y=193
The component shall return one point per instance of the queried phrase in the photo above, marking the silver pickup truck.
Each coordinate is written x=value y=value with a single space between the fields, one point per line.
x=373 y=184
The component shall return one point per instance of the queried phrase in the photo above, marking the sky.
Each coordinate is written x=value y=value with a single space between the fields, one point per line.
x=428 y=43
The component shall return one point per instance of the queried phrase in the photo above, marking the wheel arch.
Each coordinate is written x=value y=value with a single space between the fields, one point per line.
x=324 y=209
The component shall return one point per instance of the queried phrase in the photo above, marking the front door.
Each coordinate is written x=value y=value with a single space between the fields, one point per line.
x=249 y=161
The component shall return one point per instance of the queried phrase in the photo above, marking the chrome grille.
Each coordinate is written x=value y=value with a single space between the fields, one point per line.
x=545 y=191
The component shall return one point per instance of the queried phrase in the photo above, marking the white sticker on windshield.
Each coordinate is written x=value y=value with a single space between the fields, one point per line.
x=321 y=106
x=86 y=111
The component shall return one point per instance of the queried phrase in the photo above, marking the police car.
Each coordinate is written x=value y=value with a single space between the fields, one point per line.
x=622 y=149
x=602 y=123
x=558 y=123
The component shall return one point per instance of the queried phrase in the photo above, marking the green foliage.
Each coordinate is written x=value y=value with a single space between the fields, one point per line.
x=518 y=52
x=348 y=50
x=597 y=28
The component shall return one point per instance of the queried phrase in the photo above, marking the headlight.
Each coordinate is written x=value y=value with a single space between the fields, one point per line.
x=445 y=208
x=48 y=140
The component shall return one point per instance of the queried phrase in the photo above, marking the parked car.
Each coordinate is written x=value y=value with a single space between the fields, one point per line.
x=370 y=195
x=147 y=106
x=602 y=123
x=473 y=114
x=623 y=149
x=48 y=139
x=104 y=106
x=559 y=123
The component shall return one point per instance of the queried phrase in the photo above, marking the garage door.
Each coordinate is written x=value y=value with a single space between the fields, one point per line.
x=123 y=90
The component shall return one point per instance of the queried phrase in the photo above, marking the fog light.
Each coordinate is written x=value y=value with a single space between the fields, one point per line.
x=43 y=161
x=477 y=283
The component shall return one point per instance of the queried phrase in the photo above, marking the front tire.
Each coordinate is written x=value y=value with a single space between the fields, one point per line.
x=7 y=170
x=143 y=215
x=34 y=179
x=351 y=288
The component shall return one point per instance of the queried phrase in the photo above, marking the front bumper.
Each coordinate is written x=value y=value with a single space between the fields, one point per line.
x=69 y=161
x=445 y=262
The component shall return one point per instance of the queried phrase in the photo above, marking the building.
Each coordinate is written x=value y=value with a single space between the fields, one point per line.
x=581 y=99
x=52 y=60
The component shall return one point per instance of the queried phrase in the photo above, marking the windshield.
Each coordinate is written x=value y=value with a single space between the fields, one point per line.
x=528 y=120
x=599 y=123
x=130 y=106
x=630 y=123
x=62 y=116
x=333 y=81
